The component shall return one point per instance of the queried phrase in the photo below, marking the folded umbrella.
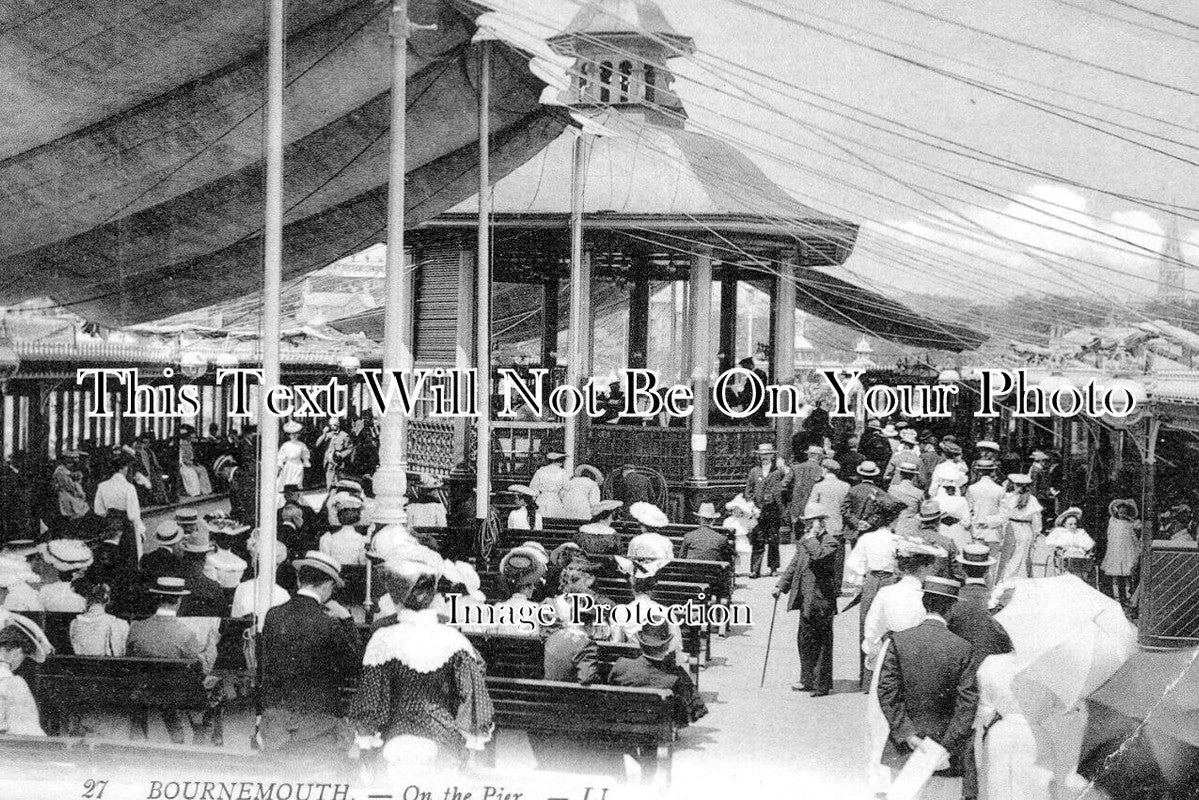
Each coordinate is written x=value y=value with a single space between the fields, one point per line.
x=1142 y=734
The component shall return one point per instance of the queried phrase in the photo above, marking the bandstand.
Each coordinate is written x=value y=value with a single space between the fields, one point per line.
x=684 y=239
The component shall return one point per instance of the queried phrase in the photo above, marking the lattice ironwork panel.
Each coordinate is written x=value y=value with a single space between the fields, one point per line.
x=1172 y=600
x=431 y=446
x=730 y=451
x=667 y=450
x=519 y=448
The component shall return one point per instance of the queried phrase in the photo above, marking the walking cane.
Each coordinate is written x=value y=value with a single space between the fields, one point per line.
x=774 y=612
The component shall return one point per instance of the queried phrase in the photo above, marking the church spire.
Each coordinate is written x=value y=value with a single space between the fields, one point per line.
x=1171 y=275
x=621 y=49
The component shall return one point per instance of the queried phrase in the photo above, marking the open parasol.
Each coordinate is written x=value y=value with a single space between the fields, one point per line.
x=1142 y=735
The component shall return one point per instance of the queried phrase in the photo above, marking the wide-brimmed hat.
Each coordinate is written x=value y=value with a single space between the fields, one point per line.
x=874 y=422
x=522 y=566
x=564 y=553
x=908 y=435
x=942 y=586
x=814 y=511
x=291 y=488
x=597 y=529
x=868 y=469
x=1072 y=511
x=976 y=555
x=655 y=641
x=348 y=485
x=522 y=490
x=539 y=548
x=890 y=431
x=951 y=448
x=1019 y=478
x=706 y=511
x=322 y=562
x=170 y=586
x=1039 y=455
x=1123 y=505
x=291 y=426
x=187 y=516
x=67 y=555
x=930 y=510
x=167 y=534
x=605 y=507
x=918 y=547
x=765 y=449
x=928 y=437
x=590 y=472
x=30 y=629
x=987 y=444
x=345 y=500
x=831 y=464
x=555 y=456
x=648 y=515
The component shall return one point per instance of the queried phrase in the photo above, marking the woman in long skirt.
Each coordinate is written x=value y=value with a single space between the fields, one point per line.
x=1023 y=513
x=293 y=457
x=1008 y=768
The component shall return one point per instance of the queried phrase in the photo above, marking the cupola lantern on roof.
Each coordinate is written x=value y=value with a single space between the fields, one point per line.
x=621 y=49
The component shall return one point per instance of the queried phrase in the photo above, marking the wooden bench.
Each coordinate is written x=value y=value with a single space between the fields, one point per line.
x=38 y=758
x=524 y=656
x=633 y=719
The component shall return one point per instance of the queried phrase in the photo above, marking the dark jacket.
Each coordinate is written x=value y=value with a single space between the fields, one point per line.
x=806 y=475
x=811 y=581
x=972 y=620
x=207 y=598
x=243 y=495
x=571 y=658
x=926 y=687
x=307 y=657
x=770 y=489
x=862 y=500
x=160 y=563
x=706 y=544
x=641 y=671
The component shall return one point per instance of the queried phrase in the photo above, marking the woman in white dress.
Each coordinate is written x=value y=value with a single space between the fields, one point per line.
x=293 y=458
x=1007 y=755
x=581 y=494
x=95 y=632
x=427 y=510
x=20 y=638
x=742 y=520
x=547 y=484
x=1023 y=515
x=1123 y=548
x=194 y=476
x=526 y=516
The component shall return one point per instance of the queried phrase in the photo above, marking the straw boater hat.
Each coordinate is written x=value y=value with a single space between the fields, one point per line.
x=975 y=555
x=20 y=548
x=917 y=547
x=942 y=586
x=605 y=507
x=555 y=456
x=170 y=586
x=539 y=548
x=168 y=534
x=1019 y=478
x=67 y=555
x=908 y=466
x=987 y=444
x=868 y=469
x=325 y=563
x=985 y=464
x=348 y=485
x=1072 y=511
x=1123 y=508
x=831 y=464
x=522 y=566
x=655 y=641
x=930 y=511
x=890 y=432
x=706 y=511
x=31 y=630
x=187 y=516
x=291 y=426
x=908 y=435
x=648 y=515
x=197 y=541
x=765 y=449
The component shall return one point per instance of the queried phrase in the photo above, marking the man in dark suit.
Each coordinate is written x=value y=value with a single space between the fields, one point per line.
x=813 y=583
x=768 y=487
x=805 y=475
x=207 y=598
x=971 y=619
x=243 y=493
x=656 y=669
x=926 y=686
x=310 y=651
x=704 y=543
x=861 y=501
x=311 y=517
x=165 y=636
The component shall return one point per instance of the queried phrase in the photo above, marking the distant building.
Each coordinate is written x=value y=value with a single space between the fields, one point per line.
x=1171 y=270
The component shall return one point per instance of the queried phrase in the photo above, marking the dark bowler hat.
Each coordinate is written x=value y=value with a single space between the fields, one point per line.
x=942 y=586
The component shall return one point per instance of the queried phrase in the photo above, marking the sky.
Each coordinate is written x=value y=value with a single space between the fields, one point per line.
x=1087 y=221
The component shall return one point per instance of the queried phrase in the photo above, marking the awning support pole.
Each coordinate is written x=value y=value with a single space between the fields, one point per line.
x=483 y=271
x=390 y=480
x=579 y=313
x=272 y=280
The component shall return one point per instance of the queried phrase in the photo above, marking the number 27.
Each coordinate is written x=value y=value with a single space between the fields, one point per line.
x=94 y=790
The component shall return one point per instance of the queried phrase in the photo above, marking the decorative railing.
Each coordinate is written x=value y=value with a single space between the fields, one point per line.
x=431 y=446
x=668 y=450
x=1170 y=601
x=730 y=451
x=519 y=448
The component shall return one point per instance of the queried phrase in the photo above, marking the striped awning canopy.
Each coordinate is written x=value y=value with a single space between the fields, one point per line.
x=131 y=158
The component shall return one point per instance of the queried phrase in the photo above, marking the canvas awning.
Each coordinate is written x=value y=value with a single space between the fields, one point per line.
x=132 y=168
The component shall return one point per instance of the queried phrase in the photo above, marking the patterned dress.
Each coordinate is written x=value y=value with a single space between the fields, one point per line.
x=421 y=678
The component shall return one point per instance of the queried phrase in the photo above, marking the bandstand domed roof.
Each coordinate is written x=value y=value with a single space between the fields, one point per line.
x=621 y=17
